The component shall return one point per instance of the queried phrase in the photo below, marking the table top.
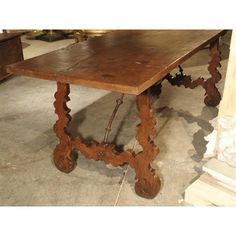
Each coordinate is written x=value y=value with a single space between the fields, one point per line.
x=128 y=61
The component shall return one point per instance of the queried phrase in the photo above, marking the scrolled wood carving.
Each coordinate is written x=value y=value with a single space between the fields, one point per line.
x=148 y=184
x=63 y=152
x=213 y=96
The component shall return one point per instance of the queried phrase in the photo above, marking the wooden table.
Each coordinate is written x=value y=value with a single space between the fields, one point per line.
x=10 y=51
x=129 y=62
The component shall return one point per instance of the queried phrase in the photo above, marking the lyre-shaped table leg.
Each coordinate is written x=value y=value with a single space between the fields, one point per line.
x=63 y=152
x=148 y=184
x=213 y=96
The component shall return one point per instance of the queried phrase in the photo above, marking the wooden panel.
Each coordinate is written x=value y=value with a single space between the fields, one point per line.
x=7 y=36
x=122 y=61
x=10 y=51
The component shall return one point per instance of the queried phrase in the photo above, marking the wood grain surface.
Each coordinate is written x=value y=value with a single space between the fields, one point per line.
x=128 y=61
x=7 y=36
x=10 y=51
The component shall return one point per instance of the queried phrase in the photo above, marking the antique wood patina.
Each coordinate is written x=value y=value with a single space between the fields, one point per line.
x=213 y=96
x=132 y=62
x=10 y=51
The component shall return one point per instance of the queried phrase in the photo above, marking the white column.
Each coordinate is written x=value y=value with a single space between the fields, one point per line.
x=226 y=134
x=228 y=102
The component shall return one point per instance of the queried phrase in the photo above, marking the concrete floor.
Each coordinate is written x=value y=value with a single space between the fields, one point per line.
x=27 y=174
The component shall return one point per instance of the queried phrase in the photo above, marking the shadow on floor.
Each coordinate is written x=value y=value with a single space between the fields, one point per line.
x=92 y=120
x=199 y=143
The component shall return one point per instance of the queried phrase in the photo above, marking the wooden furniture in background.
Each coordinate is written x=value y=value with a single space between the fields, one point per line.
x=10 y=51
x=50 y=35
x=132 y=62
x=82 y=35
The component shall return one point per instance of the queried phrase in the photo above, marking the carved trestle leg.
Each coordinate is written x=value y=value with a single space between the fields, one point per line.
x=213 y=96
x=63 y=152
x=148 y=184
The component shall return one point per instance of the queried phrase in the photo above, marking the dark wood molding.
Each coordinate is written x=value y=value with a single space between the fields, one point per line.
x=10 y=52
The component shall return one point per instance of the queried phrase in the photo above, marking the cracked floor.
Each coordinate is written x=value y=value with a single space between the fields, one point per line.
x=27 y=174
